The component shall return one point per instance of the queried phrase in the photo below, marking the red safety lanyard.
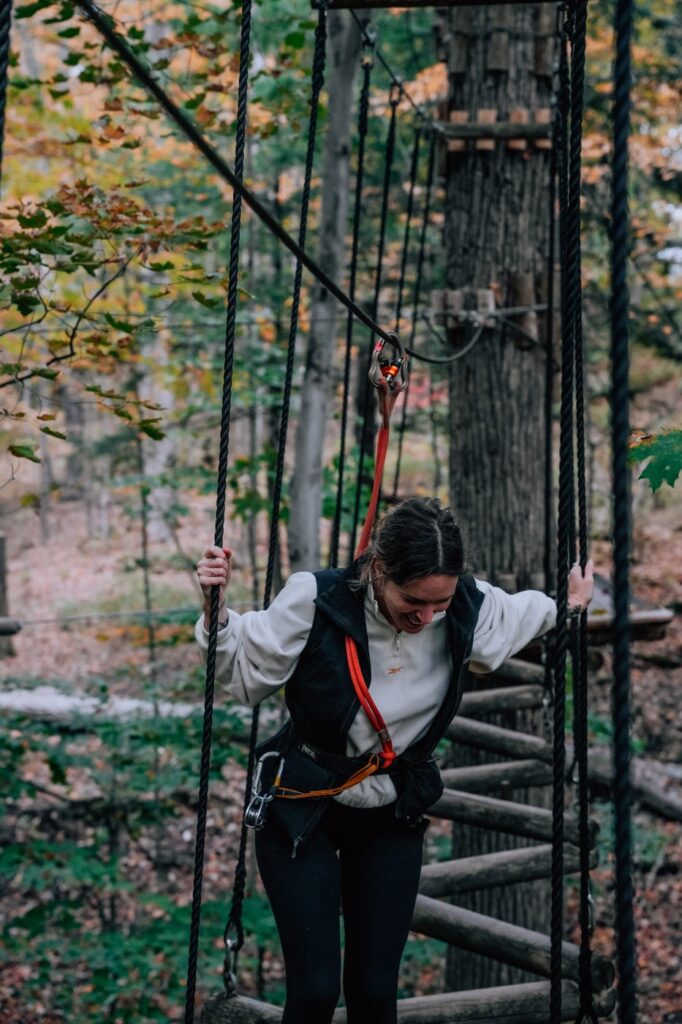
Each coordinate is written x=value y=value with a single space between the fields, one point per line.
x=388 y=377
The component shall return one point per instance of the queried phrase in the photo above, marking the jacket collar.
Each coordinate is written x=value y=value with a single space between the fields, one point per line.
x=344 y=604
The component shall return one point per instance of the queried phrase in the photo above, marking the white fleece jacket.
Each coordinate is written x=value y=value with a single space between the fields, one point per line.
x=258 y=651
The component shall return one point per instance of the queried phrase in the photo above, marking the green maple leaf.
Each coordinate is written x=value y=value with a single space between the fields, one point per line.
x=664 y=452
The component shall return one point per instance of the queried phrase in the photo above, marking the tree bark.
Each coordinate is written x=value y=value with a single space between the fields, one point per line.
x=306 y=487
x=496 y=237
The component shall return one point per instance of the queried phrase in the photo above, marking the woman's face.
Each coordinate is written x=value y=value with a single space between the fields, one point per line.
x=411 y=606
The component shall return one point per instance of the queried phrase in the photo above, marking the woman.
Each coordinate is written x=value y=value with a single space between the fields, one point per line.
x=346 y=823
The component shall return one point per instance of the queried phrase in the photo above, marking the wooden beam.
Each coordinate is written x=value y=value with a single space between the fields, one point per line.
x=506 y=742
x=8 y=627
x=506 y=867
x=506 y=943
x=505 y=816
x=512 y=1004
x=501 y=698
x=495 y=130
x=518 y=670
x=369 y=5
x=500 y=778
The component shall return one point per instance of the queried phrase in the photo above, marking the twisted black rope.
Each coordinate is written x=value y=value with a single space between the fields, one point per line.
x=363 y=121
x=103 y=24
x=622 y=789
x=221 y=490
x=563 y=534
x=316 y=88
x=5 y=25
x=416 y=297
x=366 y=414
x=414 y=162
x=234 y=922
x=587 y=1009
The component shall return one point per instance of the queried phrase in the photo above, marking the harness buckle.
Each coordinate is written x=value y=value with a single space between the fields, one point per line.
x=255 y=813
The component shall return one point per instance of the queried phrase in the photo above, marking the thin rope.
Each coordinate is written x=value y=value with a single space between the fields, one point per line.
x=622 y=787
x=5 y=26
x=388 y=167
x=363 y=122
x=103 y=24
x=221 y=492
x=416 y=298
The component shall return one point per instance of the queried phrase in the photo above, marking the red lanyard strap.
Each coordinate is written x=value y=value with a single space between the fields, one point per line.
x=388 y=754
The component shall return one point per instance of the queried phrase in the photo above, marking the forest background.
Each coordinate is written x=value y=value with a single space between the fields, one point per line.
x=114 y=237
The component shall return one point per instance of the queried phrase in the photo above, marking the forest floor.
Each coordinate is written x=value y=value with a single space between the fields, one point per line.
x=71 y=577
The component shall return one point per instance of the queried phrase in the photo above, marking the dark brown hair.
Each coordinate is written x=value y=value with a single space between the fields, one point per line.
x=416 y=538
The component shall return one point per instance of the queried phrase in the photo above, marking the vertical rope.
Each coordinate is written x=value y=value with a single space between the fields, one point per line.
x=622 y=789
x=579 y=639
x=5 y=25
x=565 y=510
x=363 y=121
x=234 y=922
x=388 y=167
x=415 y=302
x=221 y=489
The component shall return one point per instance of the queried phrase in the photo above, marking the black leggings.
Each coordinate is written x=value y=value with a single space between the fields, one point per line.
x=367 y=862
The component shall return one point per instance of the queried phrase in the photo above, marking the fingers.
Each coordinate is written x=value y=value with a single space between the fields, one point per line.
x=215 y=568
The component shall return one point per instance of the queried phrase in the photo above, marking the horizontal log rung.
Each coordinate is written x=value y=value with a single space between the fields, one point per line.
x=502 y=698
x=525 y=1003
x=504 y=816
x=506 y=742
x=505 y=867
x=500 y=778
x=506 y=943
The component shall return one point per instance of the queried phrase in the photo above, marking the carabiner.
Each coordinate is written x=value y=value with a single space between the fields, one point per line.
x=385 y=370
x=254 y=815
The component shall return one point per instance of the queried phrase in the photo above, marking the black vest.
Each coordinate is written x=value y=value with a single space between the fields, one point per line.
x=323 y=705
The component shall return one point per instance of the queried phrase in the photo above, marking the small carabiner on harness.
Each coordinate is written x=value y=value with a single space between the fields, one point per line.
x=254 y=815
x=389 y=370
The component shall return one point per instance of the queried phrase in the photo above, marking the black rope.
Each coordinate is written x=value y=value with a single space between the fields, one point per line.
x=363 y=122
x=103 y=24
x=587 y=1011
x=416 y=298
x=622 y=788
x=221 y=491
x=5 y=25
x=366 y=413
x=234 y=923
x=563 y=533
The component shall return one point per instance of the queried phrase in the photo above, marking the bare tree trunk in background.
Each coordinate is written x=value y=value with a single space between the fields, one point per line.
x=306 y=488
x=500 y=61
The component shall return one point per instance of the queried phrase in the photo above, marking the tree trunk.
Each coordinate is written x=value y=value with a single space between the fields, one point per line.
x=496 y=236
x=306 y=487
